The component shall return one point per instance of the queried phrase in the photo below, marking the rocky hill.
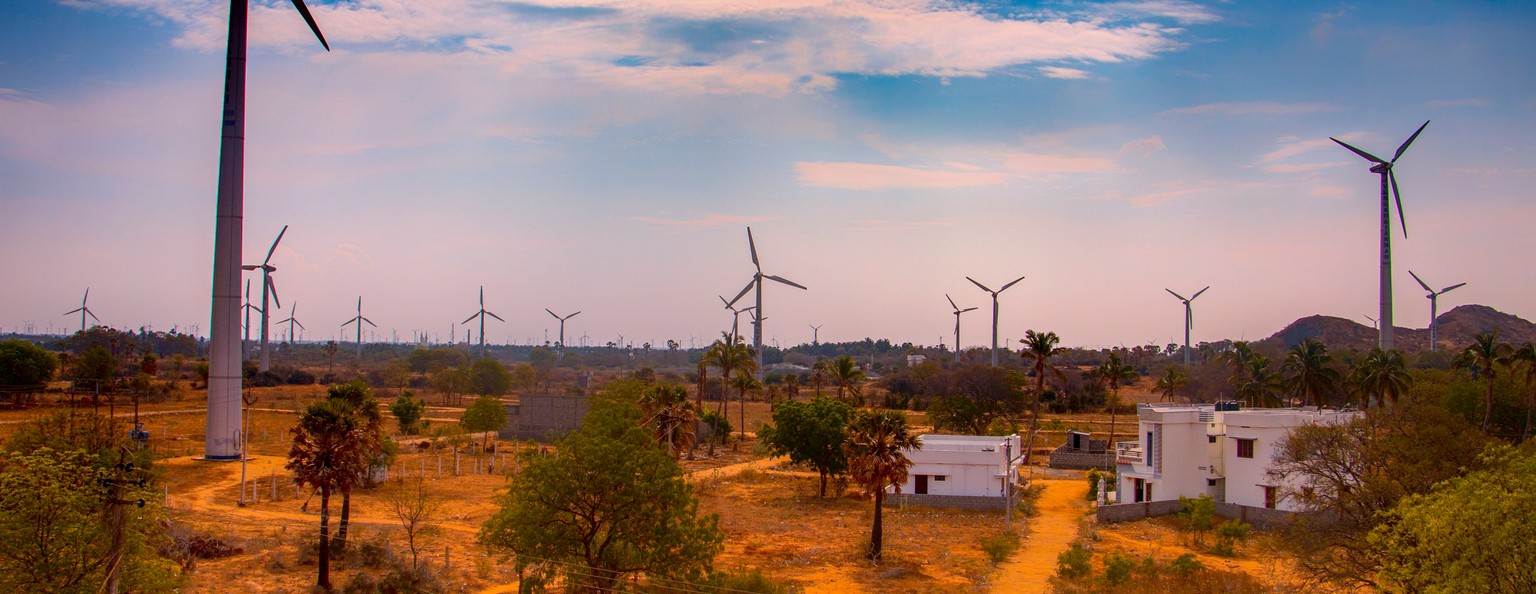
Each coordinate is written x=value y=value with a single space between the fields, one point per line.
x=1455 y=330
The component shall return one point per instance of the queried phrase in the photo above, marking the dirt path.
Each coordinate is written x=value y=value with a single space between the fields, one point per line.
x=1061 y=509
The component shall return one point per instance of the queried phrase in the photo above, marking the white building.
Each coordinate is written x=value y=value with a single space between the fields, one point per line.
x=961 y=465
x=1218 y=450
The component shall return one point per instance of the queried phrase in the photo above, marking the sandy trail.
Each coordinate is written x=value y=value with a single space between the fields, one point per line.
x=1061 y=509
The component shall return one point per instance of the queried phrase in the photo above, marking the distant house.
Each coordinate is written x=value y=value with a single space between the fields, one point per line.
x=1082 y=452
x=1220 y=450
x=915 y=359
x=964 y=471
x=544 y=417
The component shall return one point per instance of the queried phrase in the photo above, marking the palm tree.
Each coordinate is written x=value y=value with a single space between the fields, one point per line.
x=1113 y=374
x=1381 y=376
x=1526 y=357
x=846 y=374
x=670 y=417
x=1037 y=350
x=1172 y=381
x=819 y=375
x=329 y=453
x=744 y=382
x=1307 y=375
x=730 y=353
x=876 y=460
x=1257 y=385
x=1239 y=358
x=366 y=408
x=1483 y=357
x=792 y=386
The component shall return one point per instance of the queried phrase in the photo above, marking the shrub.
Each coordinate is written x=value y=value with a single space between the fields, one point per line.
x=1198 y=511
x=1075 y=562
x=1228 y=534
x=1184 y=565
x=999 y=546
x=751 y=580
x=1117 y=569
x=265 y=379
x=299 y=377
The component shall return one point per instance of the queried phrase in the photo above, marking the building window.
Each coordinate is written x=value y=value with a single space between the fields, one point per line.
x=1210 y=482
x=1210 y=439
x=1270 y=495
x=1245 y=448
x=938 y=478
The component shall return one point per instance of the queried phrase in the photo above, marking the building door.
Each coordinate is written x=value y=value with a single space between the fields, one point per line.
x=1138 y=487
x=922 y=484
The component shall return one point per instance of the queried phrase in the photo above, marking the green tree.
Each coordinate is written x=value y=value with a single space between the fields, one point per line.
x=611 y=505
x=812 y=433
x=1037 y=350
x=730 y=353
x=524 y=377
x=1483 y=357
x=744 y=382
x=489 y=378
x=847 y=375
x=486 y=414
x=408 y=412
x=1382 y=376
x=25 y=366
x=1464 y=536
x=1173 y=380
x=1306 y=373
x=1257 y=385
x=96 y=364
x=435 y=358
x=1525 y=357
x=1112 y=374
x=329 y=453
x=366 y=408
x=876 y=440
x=450 y=382
x=671 y=417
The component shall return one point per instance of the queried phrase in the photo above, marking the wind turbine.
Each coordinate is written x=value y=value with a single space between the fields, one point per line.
x=83 y=310
x=222 y=441
x=1374 y=322
x=359 y=320
x=816 y=335
x=293 y=313
x=994 y=311
x=481 y=314
x=1189 y=317
x=757 y=281
x=736 y=315
x=1388 y=178
x=267 y=269
x=1434 y=305
x=562 y=328
x=245 y=342
x=958 y=311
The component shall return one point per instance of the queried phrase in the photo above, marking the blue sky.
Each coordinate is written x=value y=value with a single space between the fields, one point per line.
x=607 y=155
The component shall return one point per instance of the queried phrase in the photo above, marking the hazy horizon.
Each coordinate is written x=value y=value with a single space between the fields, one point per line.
x=606 y=156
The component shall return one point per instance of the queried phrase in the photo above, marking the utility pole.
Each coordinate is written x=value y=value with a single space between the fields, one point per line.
x=115 y=500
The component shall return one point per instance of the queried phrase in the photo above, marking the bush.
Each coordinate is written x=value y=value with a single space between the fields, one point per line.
x=299 y=377
x=265 y=379
x=1117 y=569
x=1075 y=562
x=751 y=580
x=999 y=546
x=1228 y=534
x=1184 y=565
x=1095 y=477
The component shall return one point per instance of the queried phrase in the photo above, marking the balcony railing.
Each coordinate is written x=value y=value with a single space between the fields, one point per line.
x=1128 y=452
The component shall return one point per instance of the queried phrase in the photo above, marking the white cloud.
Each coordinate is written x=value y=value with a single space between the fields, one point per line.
x=1144 y=146
x=353 y=253
x=1063 y=73
x=1251 y=108
x=1183 y=12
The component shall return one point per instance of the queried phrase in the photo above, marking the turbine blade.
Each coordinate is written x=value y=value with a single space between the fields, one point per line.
x=370 y=322
x=86 y=298
x=1370 y=157
x=272 y=286
x=274 y=245
x=296 y=323
x=249 y=266
x=969 y=309
x=786 y=281
x=753 y=246
x=1455 y=286
x=951 y=302
x=494 y=316
x=92 y=314
x=1170 y=292
x=1392 y=177
x=983 y=287
x=470 y=318
x=73 y=311
x=552 y=314
x=1421 y=281
x=1409 y=141
x=743 y=293
x=571 y=316
x=482 y=296
x=1015 y=282
x=308 y=18
x=1197 y=295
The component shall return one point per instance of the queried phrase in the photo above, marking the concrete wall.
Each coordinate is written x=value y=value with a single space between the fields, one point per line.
x=1130 y=512
x=544 y=417
x=947 y=501
x=1068 y=458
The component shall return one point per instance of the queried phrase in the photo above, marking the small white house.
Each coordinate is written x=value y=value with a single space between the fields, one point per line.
x=1219 y=450
x=955 y=470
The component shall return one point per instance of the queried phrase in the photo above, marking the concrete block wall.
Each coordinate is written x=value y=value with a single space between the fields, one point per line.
x=965 y=502
x=1130 y=512
x=1068 y=458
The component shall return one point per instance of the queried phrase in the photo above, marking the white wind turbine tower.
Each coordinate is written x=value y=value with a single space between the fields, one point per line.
x=84 y=310
x=562 y=328
x=359 y=320
x=267 y=269
x=757 y=282
x=1189 y=318
x=481 y=314
x=246 y=341
x=1388 y=179
x=958 y=311
x=293 y=314
x=815 y=334
x=994 y=310
x=222 y=441
x=1434 y=305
